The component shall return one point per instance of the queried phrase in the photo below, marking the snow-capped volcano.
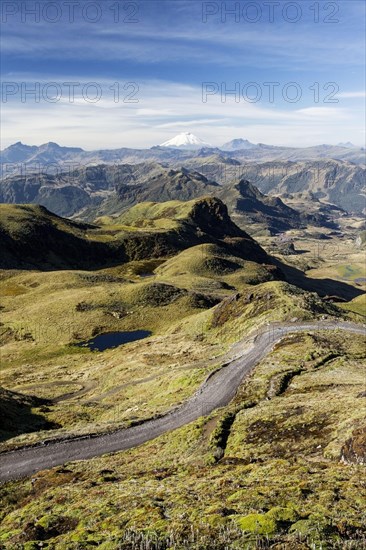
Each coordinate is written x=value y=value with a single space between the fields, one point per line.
x=185 y=140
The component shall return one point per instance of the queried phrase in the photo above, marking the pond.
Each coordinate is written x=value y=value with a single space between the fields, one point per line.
x=113 y=339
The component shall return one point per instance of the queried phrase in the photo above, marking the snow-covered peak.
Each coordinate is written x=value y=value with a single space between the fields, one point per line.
x=185 y=140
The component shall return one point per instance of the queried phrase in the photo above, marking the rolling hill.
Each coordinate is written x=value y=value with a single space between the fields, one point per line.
x=32 y=237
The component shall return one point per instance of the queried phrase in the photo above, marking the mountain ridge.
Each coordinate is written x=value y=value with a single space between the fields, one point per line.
x=32 y=237
x=248 y=205
x=18 y=157
x=237 y=144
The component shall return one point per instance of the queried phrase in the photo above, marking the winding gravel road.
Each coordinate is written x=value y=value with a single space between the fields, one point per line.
x=217 y=391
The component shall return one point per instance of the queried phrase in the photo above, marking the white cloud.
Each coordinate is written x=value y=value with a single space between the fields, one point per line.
x=324 y=112
x=167 y=108
x=352 y=95
x=186 y=37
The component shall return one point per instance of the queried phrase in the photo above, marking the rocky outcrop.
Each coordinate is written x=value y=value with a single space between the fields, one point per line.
x=250 y=206
x=354 y=449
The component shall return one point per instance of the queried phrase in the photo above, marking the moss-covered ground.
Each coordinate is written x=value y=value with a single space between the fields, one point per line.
x=278 y=478
x=281 y=467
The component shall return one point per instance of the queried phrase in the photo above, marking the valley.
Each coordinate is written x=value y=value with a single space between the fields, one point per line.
x=188 y=344
x=182 y=275
x=217 y=391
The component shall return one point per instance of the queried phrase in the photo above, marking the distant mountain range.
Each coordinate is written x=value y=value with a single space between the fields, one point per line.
x=248 y=206
x=338 y=182
x=70 y=181
x=169 y=184
x=106 y=189
x=244 y=201
x=47 y=153
x=49 y=157
x=96 y=191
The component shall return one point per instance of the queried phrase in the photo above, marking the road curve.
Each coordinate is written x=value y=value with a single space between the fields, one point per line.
x=217 y=391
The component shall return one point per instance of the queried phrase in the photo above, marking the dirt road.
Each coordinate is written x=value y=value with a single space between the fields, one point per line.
x=215 y=392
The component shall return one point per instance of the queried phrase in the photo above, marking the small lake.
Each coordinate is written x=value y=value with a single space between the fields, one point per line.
x=113 y=339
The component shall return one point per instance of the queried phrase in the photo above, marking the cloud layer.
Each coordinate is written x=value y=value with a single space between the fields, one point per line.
x=163 y=59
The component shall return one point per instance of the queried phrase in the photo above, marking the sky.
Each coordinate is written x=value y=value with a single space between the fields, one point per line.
x=111 y=74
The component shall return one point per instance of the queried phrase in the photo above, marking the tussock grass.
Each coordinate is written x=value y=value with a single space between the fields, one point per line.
x=280 y=480
x=262 y=472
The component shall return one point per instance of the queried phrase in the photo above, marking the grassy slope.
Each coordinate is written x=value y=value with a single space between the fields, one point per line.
x=32 y=237
x=151 y=214
x=53 y=310
x=278 y=479
x=180 y=487
x=357 y=305
x=17 y=416
x=202 y=482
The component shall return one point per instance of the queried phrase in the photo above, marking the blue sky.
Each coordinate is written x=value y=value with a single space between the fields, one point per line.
x=162 y=54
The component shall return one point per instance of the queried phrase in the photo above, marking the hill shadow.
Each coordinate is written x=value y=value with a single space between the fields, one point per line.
x=17 y=416
x=323 y=287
